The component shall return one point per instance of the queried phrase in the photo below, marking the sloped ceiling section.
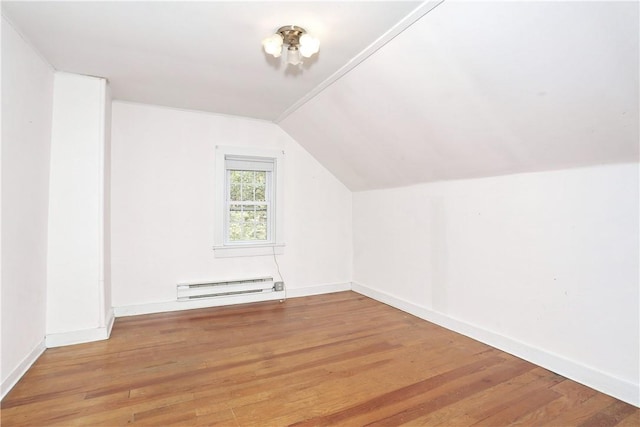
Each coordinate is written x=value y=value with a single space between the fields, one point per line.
x=478 y=89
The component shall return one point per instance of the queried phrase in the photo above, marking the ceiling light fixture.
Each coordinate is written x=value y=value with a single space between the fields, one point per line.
x=299 y=44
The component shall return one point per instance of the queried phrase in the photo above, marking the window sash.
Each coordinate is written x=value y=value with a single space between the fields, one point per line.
x=249 y=163
x=234 y=163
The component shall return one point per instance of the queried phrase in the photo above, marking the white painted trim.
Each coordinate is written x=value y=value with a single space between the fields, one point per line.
x=591 y=377
x=22 y=368
x=397 y=29
x=100 y=190
x=249 y=250
x=318 y=289
x=166 y=306
x=109 y=321
x=81 y=336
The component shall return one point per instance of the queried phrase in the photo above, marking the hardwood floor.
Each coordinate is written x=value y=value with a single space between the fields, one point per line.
x=336 y=359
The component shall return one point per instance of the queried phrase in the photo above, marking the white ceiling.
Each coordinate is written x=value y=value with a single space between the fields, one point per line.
x=478 y=89
x=471 y=89
x=201 y=55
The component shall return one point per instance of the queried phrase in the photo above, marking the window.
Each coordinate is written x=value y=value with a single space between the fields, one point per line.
x=248 y=202
x=248 y=211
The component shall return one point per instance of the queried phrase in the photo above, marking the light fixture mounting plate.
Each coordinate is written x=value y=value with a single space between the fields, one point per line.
x=291 y=34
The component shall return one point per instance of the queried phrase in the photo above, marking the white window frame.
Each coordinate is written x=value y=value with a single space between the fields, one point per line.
x=222 y=246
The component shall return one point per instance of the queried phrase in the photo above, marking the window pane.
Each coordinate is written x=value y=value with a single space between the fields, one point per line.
x=260 y=193
x=248 y=193
x=249 y=214
x=234 y=192
x=235 y=213
x=248 y=232
x=235 y=231
x=261 y=214
x=261 y=231
x=261 y=178
x=247 y=177
x=235 y=176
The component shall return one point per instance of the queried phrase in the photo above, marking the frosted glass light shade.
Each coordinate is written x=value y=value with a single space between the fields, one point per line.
x=309 y=45
x=273 y=45
x=294 y=57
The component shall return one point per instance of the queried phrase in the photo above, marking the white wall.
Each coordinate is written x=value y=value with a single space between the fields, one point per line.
x=75 y=270
x=27 y=87
x=545 y=264
x=106 y=209
x=162 y=208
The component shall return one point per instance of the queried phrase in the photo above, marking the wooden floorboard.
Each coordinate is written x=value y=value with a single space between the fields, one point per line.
x=337 y=359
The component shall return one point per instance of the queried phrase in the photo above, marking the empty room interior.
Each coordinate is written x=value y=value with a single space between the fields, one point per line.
x=320 y=213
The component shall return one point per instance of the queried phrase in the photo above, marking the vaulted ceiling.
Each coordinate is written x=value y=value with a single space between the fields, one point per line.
x=476 y=89
x=401 y=92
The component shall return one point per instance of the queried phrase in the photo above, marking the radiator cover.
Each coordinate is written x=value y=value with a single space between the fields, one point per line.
x=196 y=291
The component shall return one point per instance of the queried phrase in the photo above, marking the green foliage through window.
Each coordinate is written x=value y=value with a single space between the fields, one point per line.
x=248 y=206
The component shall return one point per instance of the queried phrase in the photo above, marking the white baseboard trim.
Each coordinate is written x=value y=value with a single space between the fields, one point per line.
x=83 y=336
x=109 y=321
x=22 y=368
x=166 y=306
x=598 y=380
x=318 y=290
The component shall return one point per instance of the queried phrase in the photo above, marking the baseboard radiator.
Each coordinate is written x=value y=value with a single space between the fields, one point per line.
x=231 y=288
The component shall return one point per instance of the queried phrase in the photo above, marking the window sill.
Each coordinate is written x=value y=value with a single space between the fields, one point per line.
x=248 y=250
